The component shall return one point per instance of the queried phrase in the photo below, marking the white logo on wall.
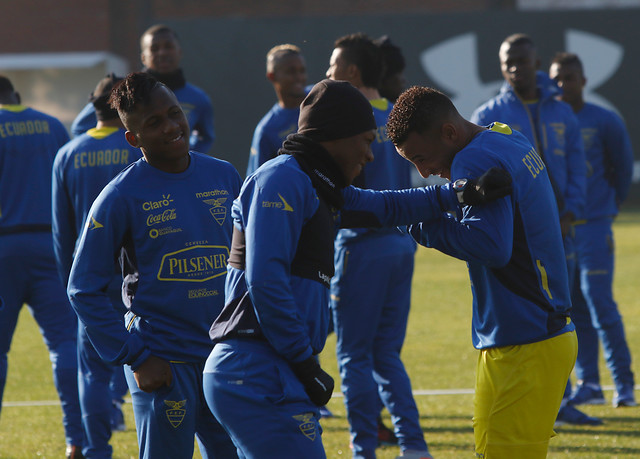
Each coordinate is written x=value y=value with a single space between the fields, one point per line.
x=453 y=67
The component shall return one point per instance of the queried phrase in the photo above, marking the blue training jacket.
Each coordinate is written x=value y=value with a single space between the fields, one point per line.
x=195 y=104
x=172 y=234
x=271 y=131
x=553 y=130
x=609 y=160
x=29 y=141
x=274 y=205
x=81 y=170
x=513 y=246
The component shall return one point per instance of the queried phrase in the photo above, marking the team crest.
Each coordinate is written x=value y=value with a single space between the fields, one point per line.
x=307 y=425
x=218 y=210
x=176 y=412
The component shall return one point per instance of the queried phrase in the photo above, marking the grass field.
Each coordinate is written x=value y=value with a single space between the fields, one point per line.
x=437 y=353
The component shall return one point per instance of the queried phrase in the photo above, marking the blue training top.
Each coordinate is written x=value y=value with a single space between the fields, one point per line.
x=81 y=170
x=274 y=206
x=172 y=233
x=271 y=131
x=609 y=160
x=552 y=129
x=29 y=140
x=513 y=246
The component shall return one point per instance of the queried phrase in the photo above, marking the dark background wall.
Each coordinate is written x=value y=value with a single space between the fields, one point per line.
x=450 y=45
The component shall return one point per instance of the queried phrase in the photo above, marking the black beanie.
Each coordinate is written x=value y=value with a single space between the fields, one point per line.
x=334 y=110
x=100 y=97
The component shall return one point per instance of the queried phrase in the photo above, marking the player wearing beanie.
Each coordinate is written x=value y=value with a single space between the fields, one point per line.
x=261 y=379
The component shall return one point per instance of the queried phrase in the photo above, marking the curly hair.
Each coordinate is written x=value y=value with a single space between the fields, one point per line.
x=131 y=92
x=417 y=109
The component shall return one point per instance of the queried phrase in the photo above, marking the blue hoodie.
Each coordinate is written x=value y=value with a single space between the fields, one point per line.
x=553 y=131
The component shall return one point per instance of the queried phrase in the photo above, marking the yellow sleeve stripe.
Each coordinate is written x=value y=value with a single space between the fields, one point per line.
x=544 y=279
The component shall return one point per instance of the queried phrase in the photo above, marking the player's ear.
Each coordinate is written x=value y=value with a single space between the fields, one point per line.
x=132 y=139
x=271 y=76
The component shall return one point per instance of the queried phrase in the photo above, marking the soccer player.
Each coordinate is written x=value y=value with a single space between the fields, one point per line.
x=161 y=54
x=81 y=169
x=371 y=289
x=262 y=380
x=29 y=141
x=595 y=313
x=513 y=249
x=167 y=219
x=527 y=102
x=287 y=72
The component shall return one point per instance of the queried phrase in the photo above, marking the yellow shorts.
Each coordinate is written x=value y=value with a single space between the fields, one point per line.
x=518 y=394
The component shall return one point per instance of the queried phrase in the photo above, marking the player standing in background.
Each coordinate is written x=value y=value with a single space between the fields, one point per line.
x=513 y=250
x=29 y=141
x=609 y=171
x=527 y=102
x=371 y=289
x=167 y=219
x=262 y=379
x=161 y=55
x=80 y=171
x=287 y=72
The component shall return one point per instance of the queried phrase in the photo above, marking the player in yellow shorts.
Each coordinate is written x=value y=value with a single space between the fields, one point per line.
x=514 y=252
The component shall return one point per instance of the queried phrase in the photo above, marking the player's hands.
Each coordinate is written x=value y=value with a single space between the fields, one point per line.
x=153 y=374
x=493 y=184
x=317 y=383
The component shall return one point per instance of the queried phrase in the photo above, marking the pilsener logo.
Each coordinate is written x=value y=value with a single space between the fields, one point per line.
x=282 y=204
x=199 y=263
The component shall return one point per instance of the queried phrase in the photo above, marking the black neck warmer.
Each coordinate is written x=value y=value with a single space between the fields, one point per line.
x=174 y=80
x=316 y=162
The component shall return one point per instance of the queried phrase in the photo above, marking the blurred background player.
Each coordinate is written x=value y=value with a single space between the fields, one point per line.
x=527 y=103
x=393 y=81
x=287 y=72
x=609 y=170
x=81 y=169
x=29 y=141
x=167 y=219
x=161 y=54
x=371 y=289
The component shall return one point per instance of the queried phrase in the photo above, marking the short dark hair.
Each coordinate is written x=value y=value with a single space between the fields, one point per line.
x=360 y=50
x=5 y=85
x=519 y=39
x=565 y=58
x=418 y=109
x=391 y=56
x=156 y=29
x=133 y=91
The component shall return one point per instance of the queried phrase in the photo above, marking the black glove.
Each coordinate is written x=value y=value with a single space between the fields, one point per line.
x=493 y=184
x=317 y=383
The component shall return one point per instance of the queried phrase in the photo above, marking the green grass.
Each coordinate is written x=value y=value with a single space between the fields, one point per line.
x=437 y=353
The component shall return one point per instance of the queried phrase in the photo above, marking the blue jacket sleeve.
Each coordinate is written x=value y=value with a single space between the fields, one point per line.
x=85 y=120
x=63 y=223
x=618 y=149
x=401 y=207
x=484 y=234
x=91 y=273
x=271 y=240
x=203 y=133
x=576 y=190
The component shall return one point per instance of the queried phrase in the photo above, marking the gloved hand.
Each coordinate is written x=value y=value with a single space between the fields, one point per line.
x=493 y=184
x=317 y=383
